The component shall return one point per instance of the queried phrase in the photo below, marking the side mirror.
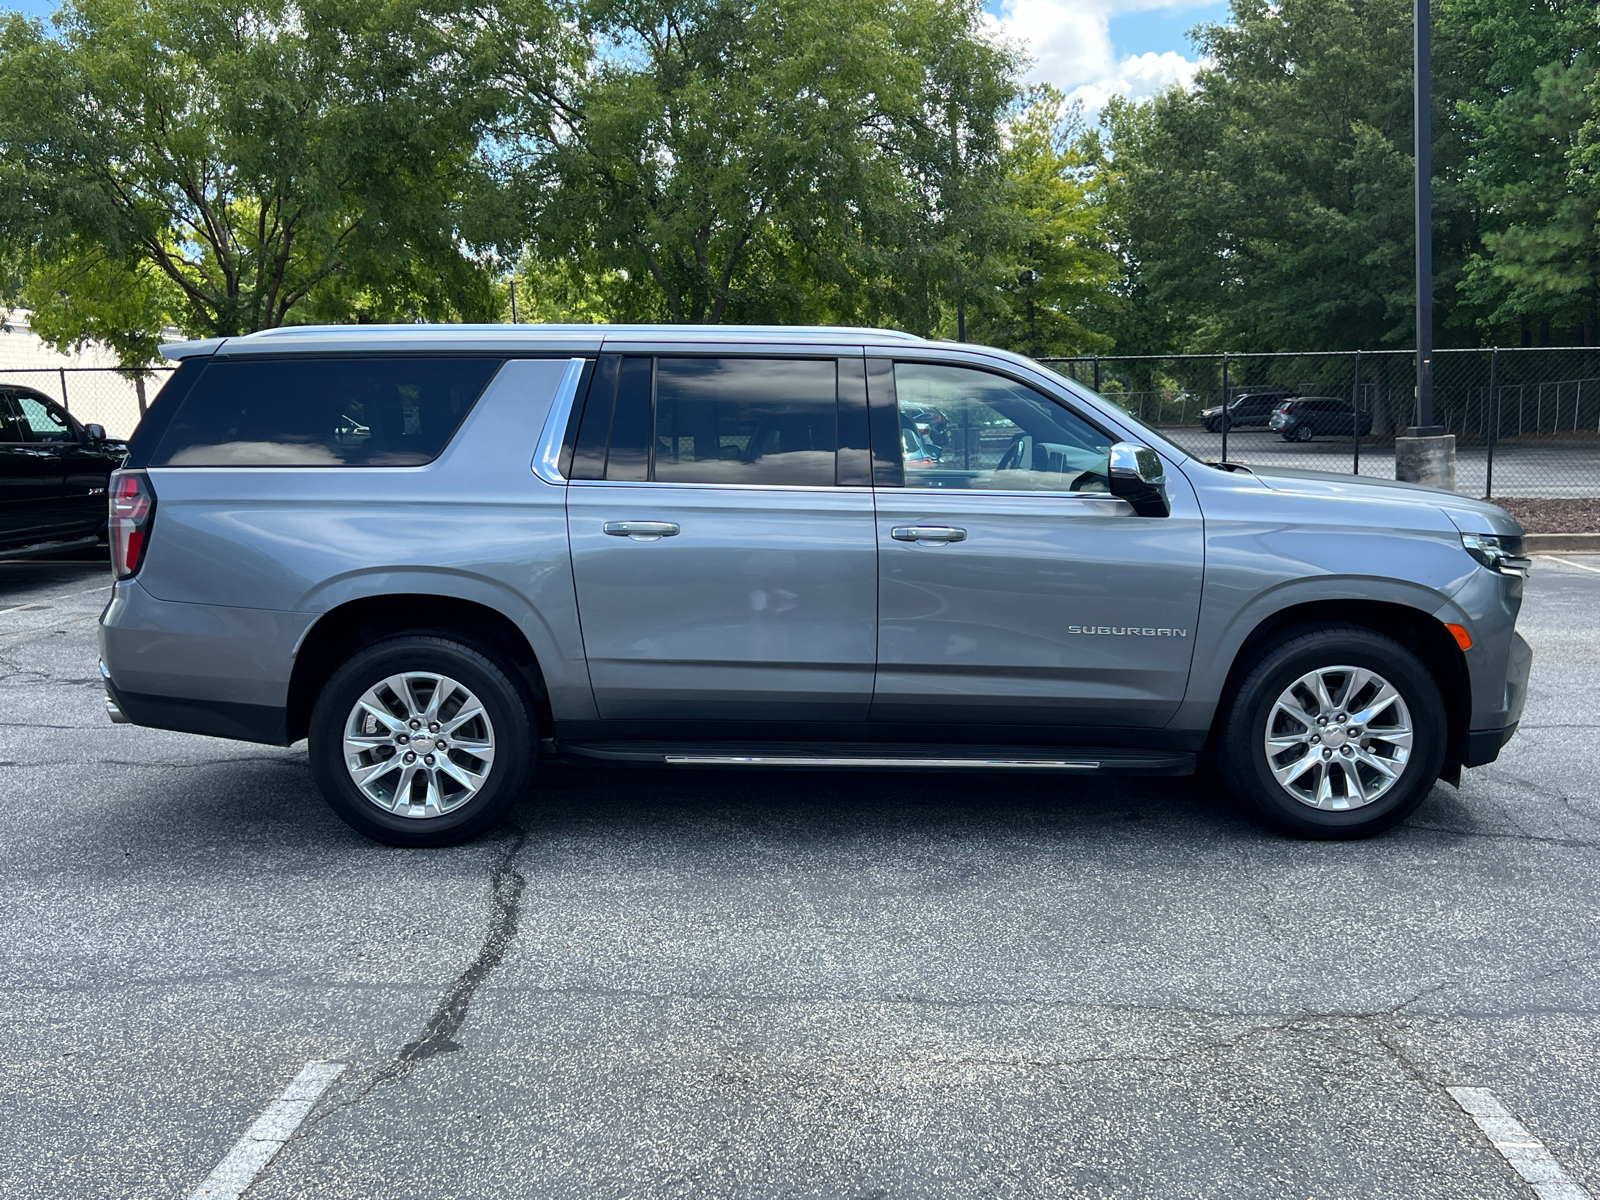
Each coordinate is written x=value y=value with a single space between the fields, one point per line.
x=95 y=433
x=1138 y=477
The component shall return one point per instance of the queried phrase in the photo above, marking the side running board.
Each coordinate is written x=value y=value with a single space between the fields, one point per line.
x=848 y=757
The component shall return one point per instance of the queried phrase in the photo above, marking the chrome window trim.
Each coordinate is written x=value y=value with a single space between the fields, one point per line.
x=681 y=485
x=905 y=491
x=547 y=458
x=856 y=489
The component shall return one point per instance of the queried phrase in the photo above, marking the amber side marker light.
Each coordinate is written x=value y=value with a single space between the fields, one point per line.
x=1459 y=632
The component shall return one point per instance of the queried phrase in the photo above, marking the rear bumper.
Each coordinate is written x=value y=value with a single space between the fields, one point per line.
x=215 y=718
x=199 y=668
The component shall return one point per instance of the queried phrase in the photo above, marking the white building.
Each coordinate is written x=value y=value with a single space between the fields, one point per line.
x=87 y=381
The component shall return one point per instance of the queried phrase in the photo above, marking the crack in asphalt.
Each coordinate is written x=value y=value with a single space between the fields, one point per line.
x=1570 y=843
x=506 y=885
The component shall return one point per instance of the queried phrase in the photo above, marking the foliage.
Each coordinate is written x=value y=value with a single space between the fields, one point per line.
x=1529 y=92
x=761 y=160
x=269 y=159
x=87 y=296
x=228 y=165
x=1062 y=288
x=1271 y=206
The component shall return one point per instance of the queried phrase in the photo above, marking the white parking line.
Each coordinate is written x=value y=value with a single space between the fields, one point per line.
x=45 y=603
x=238 y=1170
x=1517 y=1146
x=1567 y=562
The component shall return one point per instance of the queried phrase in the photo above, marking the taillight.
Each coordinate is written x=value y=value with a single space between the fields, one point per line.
x=1283 y=409
x=133 y=506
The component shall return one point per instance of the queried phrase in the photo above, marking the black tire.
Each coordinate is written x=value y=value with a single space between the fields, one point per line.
x=1242 y=757
x=1213 y=426
x=509 y=711
x=1302 y=433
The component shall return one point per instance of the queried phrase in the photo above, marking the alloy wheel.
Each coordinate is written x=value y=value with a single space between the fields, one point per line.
x=1338 y=738
x=418 y=744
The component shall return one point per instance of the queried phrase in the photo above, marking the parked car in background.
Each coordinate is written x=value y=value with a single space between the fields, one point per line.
x=1253 y=408
x=1318 y=416
x=443 y=554
x=53 y=476
x=931 y=425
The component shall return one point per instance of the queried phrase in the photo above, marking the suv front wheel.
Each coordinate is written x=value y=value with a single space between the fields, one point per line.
x=421 y=741
x=1337 y=732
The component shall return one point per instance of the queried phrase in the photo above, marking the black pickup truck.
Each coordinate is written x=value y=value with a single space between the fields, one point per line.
x=53 y=475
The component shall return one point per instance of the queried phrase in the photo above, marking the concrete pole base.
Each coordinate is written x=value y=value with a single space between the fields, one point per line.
x=1429 y=460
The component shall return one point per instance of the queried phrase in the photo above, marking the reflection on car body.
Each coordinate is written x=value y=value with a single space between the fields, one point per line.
x=442 y=555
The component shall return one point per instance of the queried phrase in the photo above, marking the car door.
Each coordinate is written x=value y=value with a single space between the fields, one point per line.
x=725 y=568
x=1343 y=417
x=1013 y=588
x=86 y=466
x=1262 y=408
x=31 y=474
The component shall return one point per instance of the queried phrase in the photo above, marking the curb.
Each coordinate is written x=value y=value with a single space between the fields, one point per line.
x=1543 y=543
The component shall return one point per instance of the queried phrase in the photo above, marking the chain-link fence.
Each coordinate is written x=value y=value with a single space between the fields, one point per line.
x=1527 y=421
x=95 y=395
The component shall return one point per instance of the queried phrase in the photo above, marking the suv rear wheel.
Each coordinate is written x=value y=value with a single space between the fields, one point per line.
x=1337 y=732
x=421 y=741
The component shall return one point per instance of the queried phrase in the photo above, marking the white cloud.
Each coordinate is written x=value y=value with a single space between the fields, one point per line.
x=1069 y=42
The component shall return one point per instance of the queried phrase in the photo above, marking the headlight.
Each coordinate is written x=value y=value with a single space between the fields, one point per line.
x=1498 y=553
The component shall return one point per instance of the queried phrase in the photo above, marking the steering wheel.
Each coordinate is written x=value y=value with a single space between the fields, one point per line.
x=1012 y=458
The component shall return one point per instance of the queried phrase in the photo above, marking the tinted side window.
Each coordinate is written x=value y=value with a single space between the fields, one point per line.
x=746 y=420
x=961 y=428
x=10 y=420
x=304 y=412
x=157 y=419
x=41 y=422
x=628 y=459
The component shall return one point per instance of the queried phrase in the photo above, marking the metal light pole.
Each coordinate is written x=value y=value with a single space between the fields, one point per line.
x=1423 y=147
x=1425 y=453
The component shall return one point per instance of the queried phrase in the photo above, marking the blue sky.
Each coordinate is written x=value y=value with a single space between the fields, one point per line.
x=1157 y=30
x=1093 y=49
x=1090 y=49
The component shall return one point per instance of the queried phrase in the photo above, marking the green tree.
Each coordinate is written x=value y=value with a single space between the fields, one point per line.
x=86 y=296
x=1061 y=291
x=1271 y=205
x=1528 y=92
x=269 y=160
x=761 y=160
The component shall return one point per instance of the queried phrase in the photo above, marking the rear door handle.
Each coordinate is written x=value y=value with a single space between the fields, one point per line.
x=641 y=531
x=926 y=535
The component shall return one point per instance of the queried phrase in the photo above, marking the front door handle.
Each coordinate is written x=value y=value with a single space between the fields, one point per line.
x=928 y=535
x=641 y=531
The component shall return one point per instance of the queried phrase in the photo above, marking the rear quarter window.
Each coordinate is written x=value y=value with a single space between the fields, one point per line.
x=389 y=411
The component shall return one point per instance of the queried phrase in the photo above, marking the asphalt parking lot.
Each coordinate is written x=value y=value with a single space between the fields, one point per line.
x=785 y=985
x=1550 y=469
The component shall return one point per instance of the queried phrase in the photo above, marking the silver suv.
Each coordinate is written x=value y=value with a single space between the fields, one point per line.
x=446 y=554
